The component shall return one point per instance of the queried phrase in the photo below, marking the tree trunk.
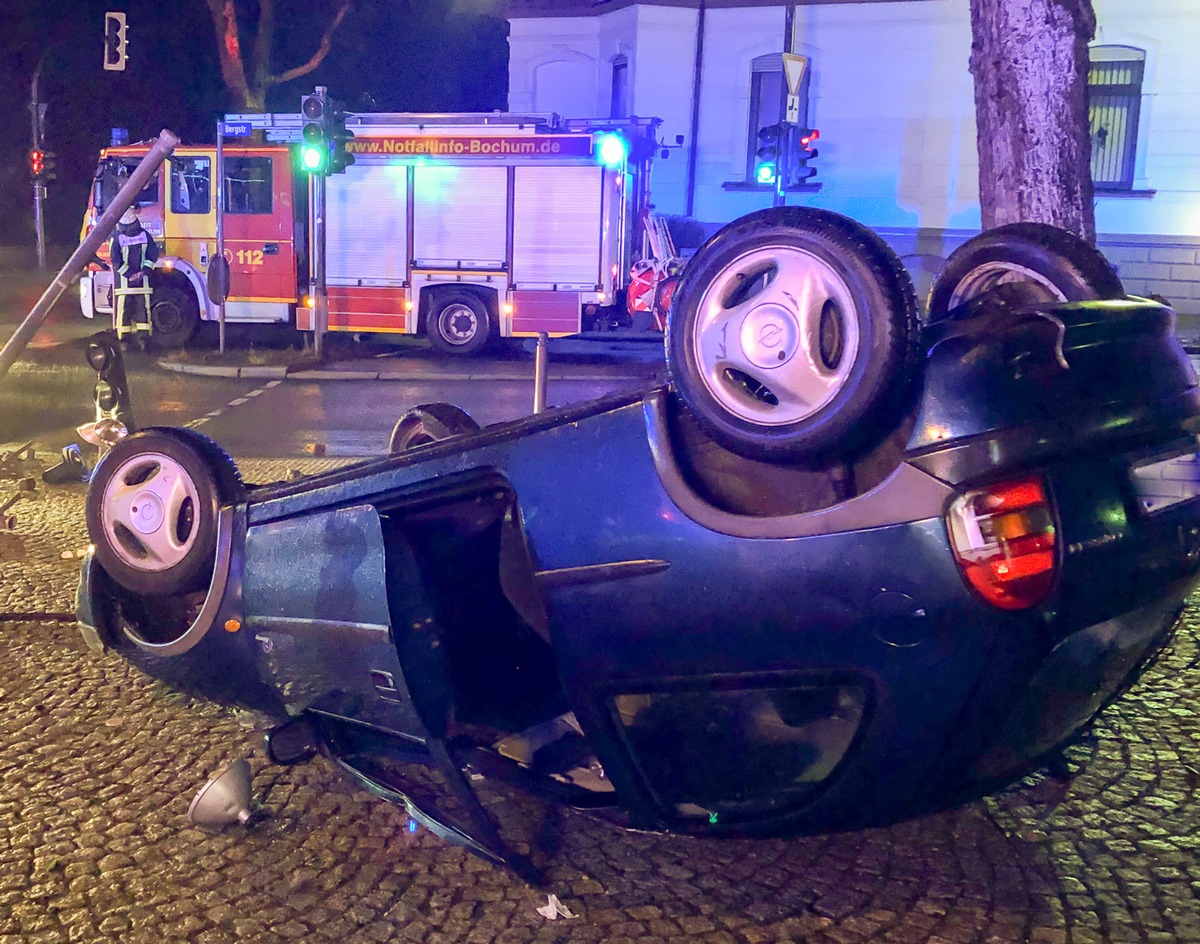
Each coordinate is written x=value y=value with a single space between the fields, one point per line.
x=1030 y=63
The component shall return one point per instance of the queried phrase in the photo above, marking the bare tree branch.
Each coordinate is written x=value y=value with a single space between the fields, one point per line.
x=263 y=43
x=318 y=56
x=229 y=49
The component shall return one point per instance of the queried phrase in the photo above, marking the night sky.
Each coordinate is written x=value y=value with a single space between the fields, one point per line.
x=388 y=55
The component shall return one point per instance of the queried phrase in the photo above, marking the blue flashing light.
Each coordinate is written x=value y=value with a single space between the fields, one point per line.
x=612 y=149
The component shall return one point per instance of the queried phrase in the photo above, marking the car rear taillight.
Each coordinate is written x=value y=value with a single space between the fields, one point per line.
x=1004 y=540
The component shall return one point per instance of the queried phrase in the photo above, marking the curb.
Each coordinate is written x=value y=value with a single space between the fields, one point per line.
x=258 y=373
x=282 y=373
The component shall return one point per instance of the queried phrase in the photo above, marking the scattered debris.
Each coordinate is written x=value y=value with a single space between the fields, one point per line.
x=7 y=521
x=72 y=468
x=225 y=799
x=11 y=460
x=553 y=908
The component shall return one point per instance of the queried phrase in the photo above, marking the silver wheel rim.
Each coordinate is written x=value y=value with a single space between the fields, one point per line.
x=150 y=513
x=776 y=336
x=458 y=324
x=988 y=275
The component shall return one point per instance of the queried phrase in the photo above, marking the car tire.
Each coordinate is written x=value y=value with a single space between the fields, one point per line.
x=429 y=423
x=1059 y=265
x=458 y=323
x=230 y=484
x=152 y=508
x=175 y=315
x=792 y=336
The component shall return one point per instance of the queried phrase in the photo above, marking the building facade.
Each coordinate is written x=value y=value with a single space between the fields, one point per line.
x=888 y=87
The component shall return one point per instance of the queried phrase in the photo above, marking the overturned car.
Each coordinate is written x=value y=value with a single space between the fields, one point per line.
x=844 y=565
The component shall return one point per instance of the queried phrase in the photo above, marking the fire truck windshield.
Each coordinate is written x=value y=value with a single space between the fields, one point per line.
x=111 y=176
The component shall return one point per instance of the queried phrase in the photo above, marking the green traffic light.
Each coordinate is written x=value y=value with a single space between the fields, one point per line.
x=765 y=173
x=311 y=159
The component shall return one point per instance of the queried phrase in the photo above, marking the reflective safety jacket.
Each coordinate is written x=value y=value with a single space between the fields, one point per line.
x=133 y=252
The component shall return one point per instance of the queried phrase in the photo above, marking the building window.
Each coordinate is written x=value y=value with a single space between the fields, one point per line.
x=619 y=101
x=1114 y=102
x=767 y=90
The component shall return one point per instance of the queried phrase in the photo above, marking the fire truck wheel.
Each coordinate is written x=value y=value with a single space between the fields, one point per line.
x=1058 y=265
x=430 y=423
x=793 y=336
x=458 y=323
x=152 y=512
x=175 y=316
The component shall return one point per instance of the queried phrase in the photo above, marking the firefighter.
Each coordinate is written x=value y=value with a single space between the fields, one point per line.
x=132 y=253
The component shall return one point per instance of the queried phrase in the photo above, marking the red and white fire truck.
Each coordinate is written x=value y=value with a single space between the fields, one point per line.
x=463 y=227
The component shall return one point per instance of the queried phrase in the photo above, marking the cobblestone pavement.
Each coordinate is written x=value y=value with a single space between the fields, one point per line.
x=98 y=765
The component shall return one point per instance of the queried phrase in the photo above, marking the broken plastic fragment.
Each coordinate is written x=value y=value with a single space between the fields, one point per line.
x=553 y=908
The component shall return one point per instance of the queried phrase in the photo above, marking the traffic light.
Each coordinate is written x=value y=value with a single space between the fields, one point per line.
x=339 y=135
x=37 y=163
x=48 y=165
x=114 y=41
x=766 y=164
x=314 y=134
x=805 y=153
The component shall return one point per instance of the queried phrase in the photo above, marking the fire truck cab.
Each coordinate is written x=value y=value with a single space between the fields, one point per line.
x=178 y=208
x=460 y=227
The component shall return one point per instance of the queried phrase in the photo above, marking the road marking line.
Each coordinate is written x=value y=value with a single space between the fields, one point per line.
x=238 y=402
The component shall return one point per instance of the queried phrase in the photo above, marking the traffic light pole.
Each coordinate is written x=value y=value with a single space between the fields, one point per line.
x=320 y=297
x=220 y=228
x=36 y=112
x=786 y=142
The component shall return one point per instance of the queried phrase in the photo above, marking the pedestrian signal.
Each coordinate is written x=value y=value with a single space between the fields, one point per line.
x=806 y=152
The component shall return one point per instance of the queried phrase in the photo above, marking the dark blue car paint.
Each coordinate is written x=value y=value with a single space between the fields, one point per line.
x=647 y=586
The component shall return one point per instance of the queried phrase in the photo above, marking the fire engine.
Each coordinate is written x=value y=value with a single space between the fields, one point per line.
x=462 y=227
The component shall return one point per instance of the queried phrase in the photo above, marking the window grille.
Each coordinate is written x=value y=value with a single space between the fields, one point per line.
x=1114 y=104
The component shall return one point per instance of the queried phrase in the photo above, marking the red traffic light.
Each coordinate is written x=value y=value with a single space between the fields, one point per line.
x=37 y=162
x=808 y=136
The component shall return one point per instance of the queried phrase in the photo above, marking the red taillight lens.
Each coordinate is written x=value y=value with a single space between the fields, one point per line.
x=1004 y=540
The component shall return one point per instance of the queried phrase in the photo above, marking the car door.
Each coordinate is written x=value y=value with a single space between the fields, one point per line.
x=259 y=226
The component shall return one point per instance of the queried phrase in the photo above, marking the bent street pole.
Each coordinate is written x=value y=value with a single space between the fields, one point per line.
x=163 y=146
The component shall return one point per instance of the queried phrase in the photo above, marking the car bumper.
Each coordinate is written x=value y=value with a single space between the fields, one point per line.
x=1074 y=681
